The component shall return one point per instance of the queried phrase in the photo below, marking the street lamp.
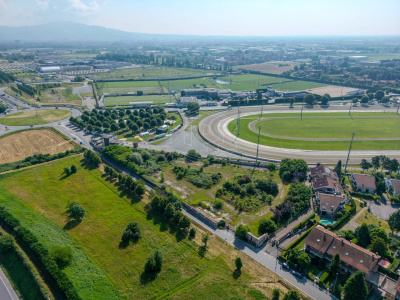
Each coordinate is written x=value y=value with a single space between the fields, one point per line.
x=258 y=143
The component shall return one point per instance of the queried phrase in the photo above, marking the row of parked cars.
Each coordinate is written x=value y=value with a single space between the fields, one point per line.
x=285 y=266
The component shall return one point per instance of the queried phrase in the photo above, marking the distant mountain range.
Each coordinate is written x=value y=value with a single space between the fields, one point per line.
x=68 y=31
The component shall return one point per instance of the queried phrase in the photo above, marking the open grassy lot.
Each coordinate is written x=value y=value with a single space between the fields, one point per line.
x=61 y=94
x=33 y=117
x=128 y=100
x=124 y=87
x=247 y=134
x=17 y=146
x=270 y=67
x=103 y=270
x=248 y=82
x=297 y=86
x=337 y=127
x=150 y=72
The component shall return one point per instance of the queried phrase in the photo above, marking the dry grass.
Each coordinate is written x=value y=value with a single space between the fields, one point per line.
x=18 y=146
x=270 y=68
x=332 y=90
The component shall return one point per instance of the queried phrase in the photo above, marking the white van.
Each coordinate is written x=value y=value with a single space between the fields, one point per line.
x=144 y=134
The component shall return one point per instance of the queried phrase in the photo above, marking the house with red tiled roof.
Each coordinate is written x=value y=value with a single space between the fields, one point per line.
x=363 y=183
x=393 y=186
x=327 y=185
x=321 y=171
x=325 y=244
x=330 y=204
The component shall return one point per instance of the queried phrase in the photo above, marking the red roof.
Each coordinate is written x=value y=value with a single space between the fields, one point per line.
x=364 y=181
x=330 y=202
x=326 y=181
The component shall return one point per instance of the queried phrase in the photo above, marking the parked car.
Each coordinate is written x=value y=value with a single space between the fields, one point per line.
x=297 y=274
x=285 y=266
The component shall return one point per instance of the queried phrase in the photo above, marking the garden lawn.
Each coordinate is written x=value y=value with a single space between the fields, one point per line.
x=38 y=197
x=32 y=117
x=247 y=134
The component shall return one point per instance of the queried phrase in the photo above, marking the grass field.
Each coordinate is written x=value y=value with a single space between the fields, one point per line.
x=32 y=117
x=124 y=87
x=178 y=85
x=100 y=268
x=247 y=134
x=150 y=72
x=249 y=82
x=270 y=67
x=17 y=146
x=340 y=127
x=126 y=100
x=297 y=86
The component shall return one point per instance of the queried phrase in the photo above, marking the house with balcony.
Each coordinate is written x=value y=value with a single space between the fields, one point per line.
x=363 y=183
x=330 y=204
x=321 y=171
x=326 y=185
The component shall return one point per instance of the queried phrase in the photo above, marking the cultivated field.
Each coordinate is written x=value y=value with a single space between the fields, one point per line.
x=323 y=128
x=33 y=117
x=150 y=72
x=129 y=100
x=100 y=268
x=16 y=147
x=248 y=82
x=332 y=90
x=271 y=68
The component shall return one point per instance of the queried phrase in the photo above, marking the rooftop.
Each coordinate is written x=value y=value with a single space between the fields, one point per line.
x=364 y=180
x=330 y=202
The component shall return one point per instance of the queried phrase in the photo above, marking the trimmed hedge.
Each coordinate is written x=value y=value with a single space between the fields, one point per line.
x=365 y=196
x=389 y=273
x=29 y=242
x=296 y=242
x=301 y=225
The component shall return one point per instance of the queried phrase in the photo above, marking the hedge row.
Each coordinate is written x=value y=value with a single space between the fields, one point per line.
x=365 y=196
x=296 y=242
x=301 y=225
x=30 y=243
x=389 y=273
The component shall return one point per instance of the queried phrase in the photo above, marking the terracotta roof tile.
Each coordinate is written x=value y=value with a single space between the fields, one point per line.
x=364 y=180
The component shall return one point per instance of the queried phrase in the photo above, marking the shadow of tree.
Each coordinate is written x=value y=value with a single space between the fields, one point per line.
x=202 y=251
x=236 y=274
x=71 y=224
x=147 y=277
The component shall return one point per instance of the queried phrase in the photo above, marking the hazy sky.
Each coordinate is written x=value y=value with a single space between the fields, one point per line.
x=215 y=17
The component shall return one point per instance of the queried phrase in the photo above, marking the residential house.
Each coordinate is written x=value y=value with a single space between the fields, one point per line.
x=327 y=185
x=393 y=186
x=321 y=171
x=325 y=244
x=330 y=204
x=363 y=183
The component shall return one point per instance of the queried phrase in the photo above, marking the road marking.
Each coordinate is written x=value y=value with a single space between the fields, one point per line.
x=8 y=291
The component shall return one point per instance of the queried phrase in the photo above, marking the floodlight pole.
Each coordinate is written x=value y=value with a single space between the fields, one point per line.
x=261 y=109
x=348 y=155
x=302 y=104
x=258 y=143
x=351 y=105
x=238 y=121
x=398 y=106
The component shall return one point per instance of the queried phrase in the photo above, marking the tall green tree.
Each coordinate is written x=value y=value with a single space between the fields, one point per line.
x=379 y=94
x=376 y=162
x=363 y=235
x=338 y=169
x=334 y=267
x=365 y=165
x=75 y=211
x=238 y=263
x=378 y=246
x=309 y=99
x=355 y=287
x=394 y=221
x=292 y=295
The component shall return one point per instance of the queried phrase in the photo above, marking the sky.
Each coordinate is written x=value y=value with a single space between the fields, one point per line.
x=215 y=17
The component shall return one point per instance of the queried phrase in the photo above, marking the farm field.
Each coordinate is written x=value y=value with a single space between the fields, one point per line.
x=270 y=67
x=297 y=86
x=150 y=72
x=249 y=81
x=128 y=100
x=32 y=117
x=124 y=87
x=247 y=134
x=17 y=146
x=38 y=196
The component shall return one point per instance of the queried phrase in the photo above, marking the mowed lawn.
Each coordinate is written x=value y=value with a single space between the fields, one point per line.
x=179 y=85
x=121 y=87
x=32 y=117
x=128 y=100
x=338 y=127
x=249 y=82
x=247 y=134
x=38 y=197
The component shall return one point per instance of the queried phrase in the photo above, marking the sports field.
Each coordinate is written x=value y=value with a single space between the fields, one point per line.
x=248 y=82
x=373 y=131
x=129 y=100
x=179 y=85
x=297 y=86
x=124 y=87
x=33 y=117
x=100 y=268
x=17 y=146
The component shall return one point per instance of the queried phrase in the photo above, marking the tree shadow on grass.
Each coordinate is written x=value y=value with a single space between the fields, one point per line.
x=87 y=166
x=147 y=277
x=202 y=251
x=63 y=177
x=158 y=220
x=72 y=224
x=236 y=274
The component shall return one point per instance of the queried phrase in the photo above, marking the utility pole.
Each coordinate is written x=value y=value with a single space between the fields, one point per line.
x=351 y=104
x=261 y=109
x=348 y=155
x=258 y=143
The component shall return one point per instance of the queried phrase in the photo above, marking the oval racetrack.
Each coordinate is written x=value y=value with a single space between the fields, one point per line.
x=214 y=129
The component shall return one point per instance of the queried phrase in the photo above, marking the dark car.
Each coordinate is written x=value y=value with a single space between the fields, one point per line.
x=285 y=266
x=297 y=274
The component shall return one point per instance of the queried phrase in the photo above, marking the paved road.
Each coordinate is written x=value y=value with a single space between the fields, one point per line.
x=6 y=290
x=215 y=130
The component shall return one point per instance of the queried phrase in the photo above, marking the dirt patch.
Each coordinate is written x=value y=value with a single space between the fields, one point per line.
x=18 y=146
x=271 y=68
x=333 y=90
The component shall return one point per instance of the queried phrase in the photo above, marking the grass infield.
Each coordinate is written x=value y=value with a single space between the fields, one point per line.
x=32 y=117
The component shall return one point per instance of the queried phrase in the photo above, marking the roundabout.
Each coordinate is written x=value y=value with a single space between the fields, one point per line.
x=320 y=136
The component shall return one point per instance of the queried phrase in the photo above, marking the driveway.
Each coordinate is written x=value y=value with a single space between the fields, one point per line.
x=383 y=210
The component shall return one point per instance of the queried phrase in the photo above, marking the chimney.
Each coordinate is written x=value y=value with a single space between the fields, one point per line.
x=324 y=236
x=373 y=257
x=332 y=207
x=342 y=242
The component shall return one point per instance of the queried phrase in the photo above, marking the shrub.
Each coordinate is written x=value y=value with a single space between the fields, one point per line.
x=6 y=243
x=67 y=171
x=222 y=223
x=61 y=255
x=131 y=233
x=241 y=231
x=75 y=211
x=218 y=204
x=136 y=158
x=192 y=232
x=266 y=226
x=73 y=169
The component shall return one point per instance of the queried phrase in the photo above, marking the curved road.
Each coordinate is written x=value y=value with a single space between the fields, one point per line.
x=214 y=129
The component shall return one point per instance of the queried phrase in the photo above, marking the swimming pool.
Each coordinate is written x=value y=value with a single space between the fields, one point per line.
x=327 y=222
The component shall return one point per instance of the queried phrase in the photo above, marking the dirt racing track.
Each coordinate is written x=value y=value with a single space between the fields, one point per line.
x=214 y=130
x=16 y=147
